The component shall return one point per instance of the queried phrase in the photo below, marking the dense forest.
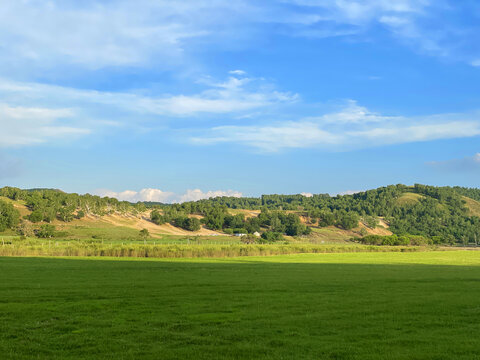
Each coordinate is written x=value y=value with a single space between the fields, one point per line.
x=435 y=213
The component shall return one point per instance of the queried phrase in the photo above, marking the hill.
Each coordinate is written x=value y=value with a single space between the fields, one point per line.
x=440 y=214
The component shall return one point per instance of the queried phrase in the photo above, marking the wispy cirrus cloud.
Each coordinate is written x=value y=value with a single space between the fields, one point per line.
x=157 y=195
x=235 y=94
x=163 y=34
x=96 y=34
x=32 y=113
x=445 y=28
x=352 y=127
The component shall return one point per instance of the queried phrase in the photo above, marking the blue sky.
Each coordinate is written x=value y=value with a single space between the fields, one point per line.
x=174 y=101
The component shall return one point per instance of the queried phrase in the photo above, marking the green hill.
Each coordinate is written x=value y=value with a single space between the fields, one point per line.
x=440 y=214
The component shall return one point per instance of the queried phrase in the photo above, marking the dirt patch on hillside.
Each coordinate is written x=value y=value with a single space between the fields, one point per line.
x=247 y=213
x=142 y=221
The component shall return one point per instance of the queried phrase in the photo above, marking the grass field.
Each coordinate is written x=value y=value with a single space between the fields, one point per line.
x=421 y=305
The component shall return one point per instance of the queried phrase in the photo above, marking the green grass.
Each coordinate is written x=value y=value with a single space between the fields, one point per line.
x=409 y=199
x=331 y=306
x=329 y=235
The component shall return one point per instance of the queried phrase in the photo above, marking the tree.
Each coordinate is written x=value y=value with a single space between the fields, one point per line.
x=144 y=234
x=66 y=214
x=271 y=236
x=46 y=231
x=157 y=218
x=9 y=216
x=26 y=229
x=348 y=220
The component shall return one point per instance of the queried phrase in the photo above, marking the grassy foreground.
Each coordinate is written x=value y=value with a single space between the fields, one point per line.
x=422 y=305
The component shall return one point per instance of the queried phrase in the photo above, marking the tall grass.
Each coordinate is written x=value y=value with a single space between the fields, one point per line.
x=52 y=248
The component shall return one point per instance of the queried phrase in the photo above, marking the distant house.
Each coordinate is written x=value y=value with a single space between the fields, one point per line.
x=256 y=233
x=240 y=234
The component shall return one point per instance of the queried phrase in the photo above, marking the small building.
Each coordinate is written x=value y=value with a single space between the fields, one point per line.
x=256 y=233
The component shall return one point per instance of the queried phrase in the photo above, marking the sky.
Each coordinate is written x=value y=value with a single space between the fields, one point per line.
x=182 y=100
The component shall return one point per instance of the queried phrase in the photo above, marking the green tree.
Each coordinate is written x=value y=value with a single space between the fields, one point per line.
x=46 y=231
x=144 y=234
x=9 y=216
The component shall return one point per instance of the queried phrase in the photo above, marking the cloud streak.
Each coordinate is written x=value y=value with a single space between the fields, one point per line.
x=164 y=34
x=350 y=128
x=33 y=125
x=33 y=113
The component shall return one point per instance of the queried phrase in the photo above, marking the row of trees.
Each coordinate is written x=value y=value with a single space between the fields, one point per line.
x=394 y=240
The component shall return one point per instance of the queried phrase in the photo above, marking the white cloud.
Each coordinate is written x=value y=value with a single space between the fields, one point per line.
x=349 y=192
x=426 y=26
x=156 y=195
x=273 y=137
x=148 y=194
x=197 y=194
x=350 y=128
x=237 y=72
x=164 y=34
x=232 y=95
x=96 y=34
x=33 y=113
x=32 y=125
x=351 y=113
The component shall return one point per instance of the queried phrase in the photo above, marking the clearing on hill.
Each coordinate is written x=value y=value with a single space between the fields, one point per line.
x=409 y=198
x=473 y=206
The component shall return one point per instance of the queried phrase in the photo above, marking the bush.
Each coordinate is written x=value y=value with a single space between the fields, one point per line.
x=271 y=236
x=394 y=240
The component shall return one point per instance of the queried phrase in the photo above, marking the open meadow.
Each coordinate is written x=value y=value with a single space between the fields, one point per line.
x=389 y=305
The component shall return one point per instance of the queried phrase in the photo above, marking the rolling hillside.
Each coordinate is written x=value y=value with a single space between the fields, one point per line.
x=446 y=215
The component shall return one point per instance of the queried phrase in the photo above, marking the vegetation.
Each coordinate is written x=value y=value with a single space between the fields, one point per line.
x=443 y=215
x=8 y=216
x=433 y=212
x=337 y=306
x=394 y=240
x=249 y=245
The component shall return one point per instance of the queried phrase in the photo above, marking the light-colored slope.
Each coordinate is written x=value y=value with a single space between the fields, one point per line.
x=142 y=222
x=246 y=212
x=409 y=199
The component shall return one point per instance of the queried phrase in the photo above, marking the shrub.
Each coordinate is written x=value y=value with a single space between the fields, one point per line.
x=271 y=236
